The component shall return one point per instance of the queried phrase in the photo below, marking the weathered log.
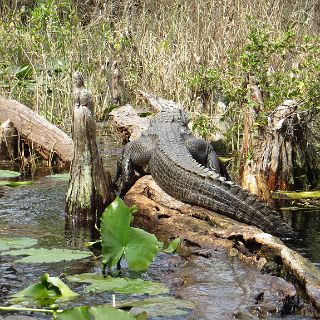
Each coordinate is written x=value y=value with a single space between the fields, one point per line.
x=127 y=124
x=201 y=229
x=158 y=103
x=90 y=187
x=43 y=138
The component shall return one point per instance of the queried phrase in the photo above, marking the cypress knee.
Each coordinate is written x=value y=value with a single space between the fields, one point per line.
x=90 y=187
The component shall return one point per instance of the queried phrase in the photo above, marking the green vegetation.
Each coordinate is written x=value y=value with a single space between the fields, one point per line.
x=100 y=283
x=179 y=50
x=41 y=255
x=46 y=292
x=16 y=243
x=118 y=240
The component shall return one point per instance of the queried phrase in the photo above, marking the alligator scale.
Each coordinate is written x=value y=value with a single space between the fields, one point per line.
x=188 y=169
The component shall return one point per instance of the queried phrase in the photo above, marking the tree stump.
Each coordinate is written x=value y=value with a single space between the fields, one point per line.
x=90 y=187
x=8 y=141
x=277 y=156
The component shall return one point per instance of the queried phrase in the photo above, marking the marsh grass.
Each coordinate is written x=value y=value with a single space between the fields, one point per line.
x=160 y=45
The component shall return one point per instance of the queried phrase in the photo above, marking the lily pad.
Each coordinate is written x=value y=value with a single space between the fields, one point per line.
x=41 y=255
x=300 y=195
x=5 y=174
x=119 y=239
x=16 y=243
x=94 y=313
x=46 y=291
x=119 y=285
x=15 y=184
x=60 y=176
x=164 y=306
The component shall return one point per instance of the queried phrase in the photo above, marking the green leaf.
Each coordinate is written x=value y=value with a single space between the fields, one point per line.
x=119 y=285
x=5 y=174
x=16 y=243
x=94 y=313
x=46 y=291
x=15 y=184
x=24 y=72
x=164 y=306
x=40 y=255
x=173 y=245
x=119 y=239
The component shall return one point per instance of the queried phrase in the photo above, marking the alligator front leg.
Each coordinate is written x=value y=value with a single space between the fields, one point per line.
x=132 y=164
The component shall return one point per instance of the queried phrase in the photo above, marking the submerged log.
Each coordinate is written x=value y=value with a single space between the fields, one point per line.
x=201 y=230
x=90 y=187
x=42 y=137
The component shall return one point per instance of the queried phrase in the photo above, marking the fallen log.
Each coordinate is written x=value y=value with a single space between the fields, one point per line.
x=42 y=137
x=201 y=229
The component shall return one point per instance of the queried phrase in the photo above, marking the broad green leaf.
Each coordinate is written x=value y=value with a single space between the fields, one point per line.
x=94 y=313
x=119 y=239
x=173 y=245
x=77 y=313
x=46 y=291
x=40 y=255
x=15 y=184
x=140 y=249
x=164 y=306
x=119 y=285
x=16 y=243
x=5 y=174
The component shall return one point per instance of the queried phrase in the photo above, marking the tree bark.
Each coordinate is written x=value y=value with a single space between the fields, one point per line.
x=42 y=137
x=90 y=187
x=277 y=156
x=8 y=141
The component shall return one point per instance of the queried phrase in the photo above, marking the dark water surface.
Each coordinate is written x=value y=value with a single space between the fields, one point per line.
x=220 y=286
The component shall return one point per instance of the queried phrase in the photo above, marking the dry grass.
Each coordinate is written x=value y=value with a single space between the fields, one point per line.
x=158 y=43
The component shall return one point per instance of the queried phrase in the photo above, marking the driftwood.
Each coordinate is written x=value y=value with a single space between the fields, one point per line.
x=201 y=230
x=42 y=137
x=90 y=187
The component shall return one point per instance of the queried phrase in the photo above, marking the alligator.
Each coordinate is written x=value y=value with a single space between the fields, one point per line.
x=188 y=169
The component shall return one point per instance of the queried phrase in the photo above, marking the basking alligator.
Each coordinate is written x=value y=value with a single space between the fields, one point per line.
x=188 y=169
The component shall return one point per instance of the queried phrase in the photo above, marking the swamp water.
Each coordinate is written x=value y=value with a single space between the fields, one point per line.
x=218 y=287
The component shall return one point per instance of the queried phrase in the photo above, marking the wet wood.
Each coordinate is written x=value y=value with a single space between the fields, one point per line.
x=201 y=229
x=42 y=137
x=90 y=187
